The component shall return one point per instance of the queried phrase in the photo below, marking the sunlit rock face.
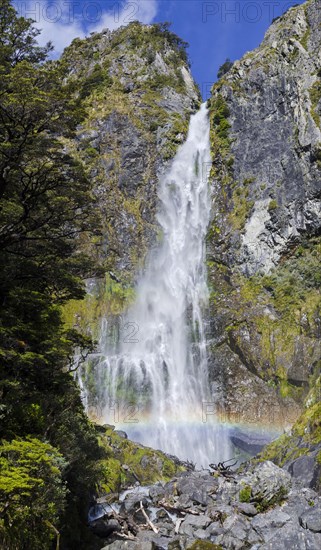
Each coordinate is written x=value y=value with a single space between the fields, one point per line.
x=264 y=245
x=138 y=92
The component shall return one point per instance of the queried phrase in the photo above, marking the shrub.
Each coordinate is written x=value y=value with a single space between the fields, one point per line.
x=32 y=493
x=227 y=65
x=245 y=494
x=272 y=205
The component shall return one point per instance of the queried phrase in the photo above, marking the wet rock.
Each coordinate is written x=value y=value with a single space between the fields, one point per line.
x=195 y=488
x=249 y=442
x=156 y=493
x=132 y=503
x=162 y=515
x=184 y=501
x=170 y=488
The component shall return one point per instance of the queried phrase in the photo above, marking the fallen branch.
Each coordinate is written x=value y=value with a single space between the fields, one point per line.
x=152 y=526
x=223 y=469
x=176 y=510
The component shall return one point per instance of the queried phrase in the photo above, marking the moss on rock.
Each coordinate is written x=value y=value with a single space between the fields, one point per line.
x=204 y=545
x=127 y=462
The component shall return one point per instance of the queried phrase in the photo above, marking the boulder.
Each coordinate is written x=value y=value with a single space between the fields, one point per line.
x=305 y=469
x=191 y=523
x=292 y=536
x=266 y=524
x=250 y=442
x=311 y=519
x=103 y=528
x=247 y=508
x=268 y=482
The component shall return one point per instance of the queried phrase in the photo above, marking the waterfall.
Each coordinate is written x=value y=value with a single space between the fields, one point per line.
x=156 y=386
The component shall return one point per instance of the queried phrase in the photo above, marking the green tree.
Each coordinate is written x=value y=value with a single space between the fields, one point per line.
x=46 y=209
x=18 y=39
x=47 y=216
x=227 y=65
x=32 y=493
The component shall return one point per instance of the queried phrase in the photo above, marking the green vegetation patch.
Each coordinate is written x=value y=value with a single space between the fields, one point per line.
x=280 y=308
x=305 y=38
x=128 y=462
x=315 y=96
x=204 y=545
x=282 y=450
x=242 y=206
x=309 y=424
x=263 y=504
x=245 y=494
x=273 y=205
x=108 y=298
x=32 y=493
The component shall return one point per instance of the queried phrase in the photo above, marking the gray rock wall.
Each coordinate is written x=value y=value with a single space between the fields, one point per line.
x=263 y=244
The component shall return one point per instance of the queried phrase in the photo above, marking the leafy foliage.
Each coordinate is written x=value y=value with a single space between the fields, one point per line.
x=49 y=448
x=32 y=493
x=227 y=65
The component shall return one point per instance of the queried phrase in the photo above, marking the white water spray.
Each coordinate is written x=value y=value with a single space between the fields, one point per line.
x=157 y=385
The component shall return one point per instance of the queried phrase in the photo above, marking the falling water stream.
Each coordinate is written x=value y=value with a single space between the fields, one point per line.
x=156 y=386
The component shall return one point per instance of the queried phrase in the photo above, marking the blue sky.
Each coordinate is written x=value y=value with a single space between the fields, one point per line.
x=214 y=29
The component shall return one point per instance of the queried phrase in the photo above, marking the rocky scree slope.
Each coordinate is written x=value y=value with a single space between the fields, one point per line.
x=264 y=240
x=258 y=507
x=136 y=87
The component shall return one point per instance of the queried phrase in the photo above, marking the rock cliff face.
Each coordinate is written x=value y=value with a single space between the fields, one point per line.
x=138 y=93
x=264 y=241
